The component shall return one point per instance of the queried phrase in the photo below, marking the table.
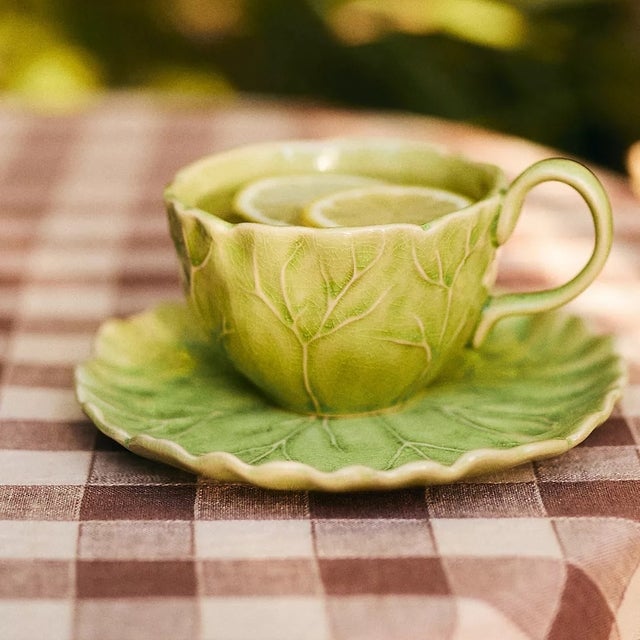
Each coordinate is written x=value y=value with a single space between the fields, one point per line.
x=99 y=544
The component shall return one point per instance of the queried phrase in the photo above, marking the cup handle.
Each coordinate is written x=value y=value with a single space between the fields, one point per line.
x=588 y=186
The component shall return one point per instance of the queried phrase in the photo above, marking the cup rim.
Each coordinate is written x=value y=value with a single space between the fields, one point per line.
x=193 y=172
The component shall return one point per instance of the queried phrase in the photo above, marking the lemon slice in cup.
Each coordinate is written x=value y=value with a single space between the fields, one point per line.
x=382 y=204
x=279 y=200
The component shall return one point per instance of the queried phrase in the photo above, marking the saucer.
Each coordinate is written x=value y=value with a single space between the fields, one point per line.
x=538 y=386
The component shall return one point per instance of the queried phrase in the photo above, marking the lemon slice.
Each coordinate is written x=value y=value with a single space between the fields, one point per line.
x=382 y=204
x=280 y=200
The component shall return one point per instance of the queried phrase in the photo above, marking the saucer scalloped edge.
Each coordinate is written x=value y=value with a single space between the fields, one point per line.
x=537 y=387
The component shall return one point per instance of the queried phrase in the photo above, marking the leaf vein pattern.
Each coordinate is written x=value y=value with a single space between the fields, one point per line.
x=413 y=445
x=472 y=419
x=262 y=296
x=423 y=274
x=264 y=451
x=352 y=319
x=283 y=286
x=356 y=275
x=422 y=344
x=333 y=440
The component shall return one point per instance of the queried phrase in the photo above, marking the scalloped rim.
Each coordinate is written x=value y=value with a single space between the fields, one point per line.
x=284 y=475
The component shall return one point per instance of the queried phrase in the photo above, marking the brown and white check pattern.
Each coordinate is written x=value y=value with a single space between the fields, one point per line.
x=98 y=544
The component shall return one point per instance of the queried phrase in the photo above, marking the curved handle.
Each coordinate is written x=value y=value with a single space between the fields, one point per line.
x=588 y=186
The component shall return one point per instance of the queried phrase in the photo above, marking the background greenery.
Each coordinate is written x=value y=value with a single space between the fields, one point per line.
x=561 y=72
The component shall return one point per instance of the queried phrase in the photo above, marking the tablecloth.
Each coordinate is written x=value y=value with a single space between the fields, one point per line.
x=99 y=544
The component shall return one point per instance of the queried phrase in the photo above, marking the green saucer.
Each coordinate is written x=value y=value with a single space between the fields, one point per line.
x=537 y=387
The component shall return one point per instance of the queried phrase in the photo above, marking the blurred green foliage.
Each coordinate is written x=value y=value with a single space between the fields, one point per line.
x=562 y=72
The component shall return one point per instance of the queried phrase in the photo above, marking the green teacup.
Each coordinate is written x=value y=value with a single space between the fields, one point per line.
x=351 y=320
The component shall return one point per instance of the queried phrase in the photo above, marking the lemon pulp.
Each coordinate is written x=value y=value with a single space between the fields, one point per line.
x=382 y=204
x=279 y=200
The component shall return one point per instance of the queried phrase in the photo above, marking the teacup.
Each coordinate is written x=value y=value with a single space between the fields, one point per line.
x=353 y=320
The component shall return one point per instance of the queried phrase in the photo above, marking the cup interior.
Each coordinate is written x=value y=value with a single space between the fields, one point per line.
x=210 y=184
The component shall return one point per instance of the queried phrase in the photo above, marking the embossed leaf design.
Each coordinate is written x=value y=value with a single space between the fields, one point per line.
x=321 y=315
x=155 y=380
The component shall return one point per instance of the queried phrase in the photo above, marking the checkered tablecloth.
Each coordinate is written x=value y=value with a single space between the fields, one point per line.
x=98 y=544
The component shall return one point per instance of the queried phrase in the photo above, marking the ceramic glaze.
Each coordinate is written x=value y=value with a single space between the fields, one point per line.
x=536 y=387
x=352 y=321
